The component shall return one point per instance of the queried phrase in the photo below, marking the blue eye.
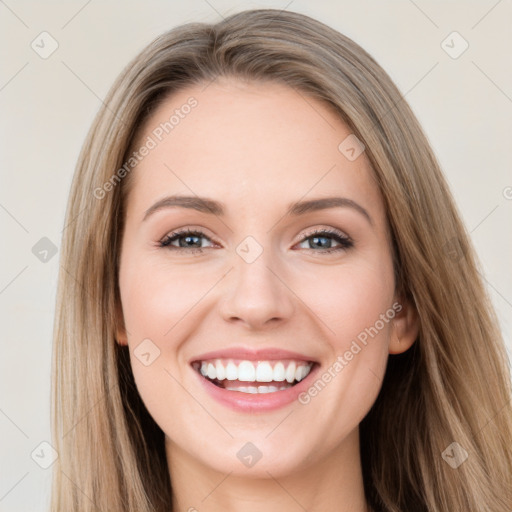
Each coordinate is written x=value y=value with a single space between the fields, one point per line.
x=319 y=237
x=190 y=241
x=190 y=238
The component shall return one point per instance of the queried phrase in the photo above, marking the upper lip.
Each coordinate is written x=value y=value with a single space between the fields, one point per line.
x=264 y=354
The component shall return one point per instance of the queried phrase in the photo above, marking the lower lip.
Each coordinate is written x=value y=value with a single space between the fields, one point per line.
x=251 y=402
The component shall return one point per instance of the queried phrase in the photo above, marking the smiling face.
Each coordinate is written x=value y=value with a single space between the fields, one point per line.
x=253 y=276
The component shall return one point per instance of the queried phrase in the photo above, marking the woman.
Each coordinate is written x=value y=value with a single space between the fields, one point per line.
x=331 y=347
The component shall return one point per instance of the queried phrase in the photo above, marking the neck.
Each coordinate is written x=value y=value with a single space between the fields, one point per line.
x=332 y=483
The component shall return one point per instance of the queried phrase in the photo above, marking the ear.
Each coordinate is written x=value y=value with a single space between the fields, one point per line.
x=121 y=336
x=405 y=328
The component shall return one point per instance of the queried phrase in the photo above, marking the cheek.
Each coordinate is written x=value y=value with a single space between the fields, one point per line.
x=358 y=310
x=156 y=296
x=356 y=304
x=351 y=298
x=156 y=302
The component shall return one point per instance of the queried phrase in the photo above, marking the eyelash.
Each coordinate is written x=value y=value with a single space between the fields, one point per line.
x=344 y=241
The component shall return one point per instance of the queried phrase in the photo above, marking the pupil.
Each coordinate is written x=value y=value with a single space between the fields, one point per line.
x=187 y=240
x=316 y=238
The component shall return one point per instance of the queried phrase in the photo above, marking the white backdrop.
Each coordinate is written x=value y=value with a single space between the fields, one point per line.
x=51 y=86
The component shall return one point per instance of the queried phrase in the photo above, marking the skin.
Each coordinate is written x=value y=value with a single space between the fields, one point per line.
x=257 y=148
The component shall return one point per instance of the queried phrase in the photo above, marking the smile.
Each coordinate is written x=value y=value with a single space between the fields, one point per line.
x=263 y=376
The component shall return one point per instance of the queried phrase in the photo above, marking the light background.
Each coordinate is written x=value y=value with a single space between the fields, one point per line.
x=47 y=105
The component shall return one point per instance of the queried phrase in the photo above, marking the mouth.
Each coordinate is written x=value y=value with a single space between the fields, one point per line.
x=254 y=377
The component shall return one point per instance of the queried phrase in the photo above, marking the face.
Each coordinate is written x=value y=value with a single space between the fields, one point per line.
x=256 y=288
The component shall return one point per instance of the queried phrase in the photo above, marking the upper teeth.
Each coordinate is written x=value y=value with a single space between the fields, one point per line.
x=260 y=371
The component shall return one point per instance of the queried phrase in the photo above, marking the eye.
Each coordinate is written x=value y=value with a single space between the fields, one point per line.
x=190 y=240
x=323 y=238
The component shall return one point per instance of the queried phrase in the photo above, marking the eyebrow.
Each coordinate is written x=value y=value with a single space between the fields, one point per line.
x=210 y=206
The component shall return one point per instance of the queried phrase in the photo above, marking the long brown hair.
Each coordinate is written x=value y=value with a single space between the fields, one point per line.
x=452 y=386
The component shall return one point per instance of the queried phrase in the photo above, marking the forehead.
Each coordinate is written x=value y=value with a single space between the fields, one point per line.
x=250 y=145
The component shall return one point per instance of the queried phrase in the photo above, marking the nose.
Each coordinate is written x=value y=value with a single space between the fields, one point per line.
x=256 y=295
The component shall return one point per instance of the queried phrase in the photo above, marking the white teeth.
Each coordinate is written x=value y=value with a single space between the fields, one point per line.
x=249 y=371
x=290 y=372
x=264 y=372
x=212 y=373
x=279 y=373
x=221 y=372
x=246 y=372
x=231 y=371
x=256 y=389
